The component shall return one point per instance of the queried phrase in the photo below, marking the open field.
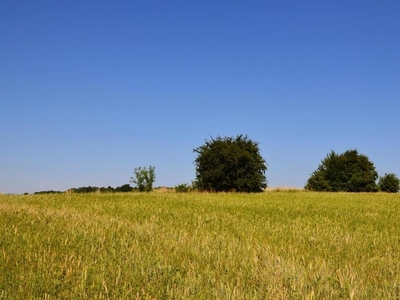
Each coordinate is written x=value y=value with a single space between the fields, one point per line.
x=274 y=245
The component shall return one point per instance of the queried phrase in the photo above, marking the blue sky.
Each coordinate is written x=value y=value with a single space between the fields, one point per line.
x=89 y=90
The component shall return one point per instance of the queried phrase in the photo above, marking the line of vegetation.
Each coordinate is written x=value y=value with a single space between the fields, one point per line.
x=93 y=189
x=234 y=164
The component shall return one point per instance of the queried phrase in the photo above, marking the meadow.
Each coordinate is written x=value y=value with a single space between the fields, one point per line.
x=273 y=245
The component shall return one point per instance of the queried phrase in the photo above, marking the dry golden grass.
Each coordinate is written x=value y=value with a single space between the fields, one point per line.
x=281 y=245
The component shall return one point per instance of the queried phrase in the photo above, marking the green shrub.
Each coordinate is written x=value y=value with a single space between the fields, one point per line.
x=346 y=172
x=182 y=188
x=389 y=183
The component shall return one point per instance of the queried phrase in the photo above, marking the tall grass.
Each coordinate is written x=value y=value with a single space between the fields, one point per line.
x=275 y=245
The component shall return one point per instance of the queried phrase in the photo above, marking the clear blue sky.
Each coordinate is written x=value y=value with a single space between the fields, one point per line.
x=89 y=90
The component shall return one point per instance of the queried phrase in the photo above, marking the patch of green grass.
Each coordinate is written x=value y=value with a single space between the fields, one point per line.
x=274 y=245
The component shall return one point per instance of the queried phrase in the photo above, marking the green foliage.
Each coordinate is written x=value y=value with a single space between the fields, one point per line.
x=108 y=189
x=182 y=188
x=230 y=164
x=94 y=189
x=45 y=192
x=85 y=189
x=124 y=188
x=346 y=172
x=389 y=183
x=144 y=178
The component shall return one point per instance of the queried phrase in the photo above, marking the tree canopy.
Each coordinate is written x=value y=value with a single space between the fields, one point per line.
x=347 y=172
x=144 y=178
x=389 y=183
x=230 y=164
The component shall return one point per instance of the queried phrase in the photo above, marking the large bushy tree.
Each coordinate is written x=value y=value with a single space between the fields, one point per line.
x=347 y=172
x=389 y=183
x=230 y=164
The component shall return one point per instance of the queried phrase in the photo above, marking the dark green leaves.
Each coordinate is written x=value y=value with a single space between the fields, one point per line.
x=389 y=183
x=347 y=172
x=230 y=164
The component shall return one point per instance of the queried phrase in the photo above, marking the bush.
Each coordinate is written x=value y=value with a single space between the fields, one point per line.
x=85 y=189
x=45 y=192
x=389 y=183
x=126 y=188
x=182 y=188
x=347 y=172
x=230 y=164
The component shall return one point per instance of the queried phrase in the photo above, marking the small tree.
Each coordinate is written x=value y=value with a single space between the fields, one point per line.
x=230 y=164
x=347 y=172
x=144 y=178
x=389 y=183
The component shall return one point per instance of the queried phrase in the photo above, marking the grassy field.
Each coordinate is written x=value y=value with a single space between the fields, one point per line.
x=275 y=245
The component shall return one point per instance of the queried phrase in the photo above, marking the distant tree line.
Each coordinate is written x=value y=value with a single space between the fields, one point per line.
x=46 y=192
x=93 y=189
x=234 y=164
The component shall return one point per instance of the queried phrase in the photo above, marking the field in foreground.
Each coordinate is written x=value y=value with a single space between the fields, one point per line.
x=275 y=245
